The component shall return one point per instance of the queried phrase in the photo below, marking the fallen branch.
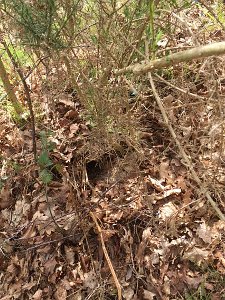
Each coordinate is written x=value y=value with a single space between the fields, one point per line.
x=118 y=286
x=175 y=58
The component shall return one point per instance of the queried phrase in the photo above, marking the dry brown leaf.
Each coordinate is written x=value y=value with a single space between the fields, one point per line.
x=30 y=232
x=50 y=266
x=5 y=198
x=168 y=101
x=166 y=285
x=221 y=258
x=187 y=197
x=61 y=293
x=218 y=229
x=147 y=295
x=196 y=255
x=69 y=251
x=186 y=131
x=113 y=217
x=216 y=296
x=5 y=246
x=90 y=280
x=21 y=210
x=37 y=295
x=164 y=170
x=76 y=296
x=73 y=129
x=204 y=232
x=128 y=293
x=147 y=234
x=71 y=114
x=66 y=102
x=209 y=286
x=67 y=285
x=107 y=234
x=129 y=274
x=167 y=210
x=193 y=282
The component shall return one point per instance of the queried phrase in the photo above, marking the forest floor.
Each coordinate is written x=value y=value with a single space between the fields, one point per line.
x=129 y=217
x=161 y=236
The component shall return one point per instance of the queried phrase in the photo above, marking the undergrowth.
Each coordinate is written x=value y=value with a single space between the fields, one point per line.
x=104 y=149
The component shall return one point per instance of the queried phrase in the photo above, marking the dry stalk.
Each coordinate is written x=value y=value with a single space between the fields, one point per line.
x=116 y=281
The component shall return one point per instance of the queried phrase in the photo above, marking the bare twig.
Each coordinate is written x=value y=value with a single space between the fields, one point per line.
x=118 y=286
x=42 y=244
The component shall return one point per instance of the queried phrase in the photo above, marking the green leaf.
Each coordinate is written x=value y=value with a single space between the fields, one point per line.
x=44 y=160
x=46 y=176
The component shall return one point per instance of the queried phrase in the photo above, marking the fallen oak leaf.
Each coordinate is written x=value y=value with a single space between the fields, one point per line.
x=196 y=255
x=73 y=130
x=71 y=114
x=193 y=282
x=204 y=232
x=167 y=210
x=164 y=170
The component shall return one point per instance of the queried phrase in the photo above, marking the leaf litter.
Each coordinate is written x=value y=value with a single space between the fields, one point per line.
x=51 y=249
x=161 y=237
